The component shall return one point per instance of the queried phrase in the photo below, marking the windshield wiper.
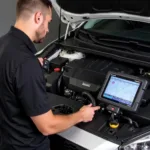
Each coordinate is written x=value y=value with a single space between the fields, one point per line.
x=113 y=42
x=107 y=42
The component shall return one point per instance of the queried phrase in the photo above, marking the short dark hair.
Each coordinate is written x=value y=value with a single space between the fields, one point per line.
x=29 y=5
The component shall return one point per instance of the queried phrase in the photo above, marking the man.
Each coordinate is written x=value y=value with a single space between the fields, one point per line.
x=25 y=114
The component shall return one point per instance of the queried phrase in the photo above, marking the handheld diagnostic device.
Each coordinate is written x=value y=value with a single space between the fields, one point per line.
x=122 y=91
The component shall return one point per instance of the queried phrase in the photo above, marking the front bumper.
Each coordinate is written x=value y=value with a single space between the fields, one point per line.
x=87 y=140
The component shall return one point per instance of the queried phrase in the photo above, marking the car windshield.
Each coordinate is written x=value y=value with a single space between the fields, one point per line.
x=120 y=28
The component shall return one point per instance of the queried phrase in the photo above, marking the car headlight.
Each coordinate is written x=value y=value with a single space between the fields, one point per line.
x=141 y=144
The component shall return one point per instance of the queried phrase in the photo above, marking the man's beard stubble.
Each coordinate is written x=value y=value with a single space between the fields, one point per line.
x=38 y=38
x=40 y=31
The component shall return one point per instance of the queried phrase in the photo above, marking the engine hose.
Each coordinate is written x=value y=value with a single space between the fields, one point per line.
x=90 y=97
x=59 y=83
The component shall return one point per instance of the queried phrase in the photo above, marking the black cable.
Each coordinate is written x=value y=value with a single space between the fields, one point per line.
x=91 y=98
x=112 y=117
x=59 y=83
x=129 y=119
x=59 y=33
x=136 y=124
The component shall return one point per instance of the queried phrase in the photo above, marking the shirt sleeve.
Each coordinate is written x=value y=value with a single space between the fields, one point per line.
x=31 y=89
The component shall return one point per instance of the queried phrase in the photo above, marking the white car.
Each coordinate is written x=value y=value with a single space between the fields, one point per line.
x=103 y=59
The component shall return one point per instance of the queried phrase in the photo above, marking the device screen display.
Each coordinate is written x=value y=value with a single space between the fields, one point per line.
x=121 y=90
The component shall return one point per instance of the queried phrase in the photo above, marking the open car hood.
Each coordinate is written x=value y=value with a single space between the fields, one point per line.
x=77 y=11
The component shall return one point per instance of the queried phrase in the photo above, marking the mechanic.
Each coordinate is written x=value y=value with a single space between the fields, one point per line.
x=26 y=118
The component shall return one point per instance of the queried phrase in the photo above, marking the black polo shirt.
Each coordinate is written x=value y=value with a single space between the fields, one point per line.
x=22 y=93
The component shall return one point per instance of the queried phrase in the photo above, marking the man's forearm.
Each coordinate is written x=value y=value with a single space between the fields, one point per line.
x=63 y=122
x=48 y=123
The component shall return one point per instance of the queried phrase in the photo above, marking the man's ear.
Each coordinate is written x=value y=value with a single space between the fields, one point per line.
x=38 y=18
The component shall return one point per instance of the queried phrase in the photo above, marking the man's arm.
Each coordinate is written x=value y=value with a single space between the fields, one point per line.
x=31 y=92
x=49 y=124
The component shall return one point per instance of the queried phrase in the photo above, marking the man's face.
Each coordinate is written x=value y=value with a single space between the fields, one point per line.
x=43 y=29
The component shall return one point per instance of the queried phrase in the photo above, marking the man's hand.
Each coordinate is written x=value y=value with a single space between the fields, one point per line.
x=88 y=112
x=41 y=60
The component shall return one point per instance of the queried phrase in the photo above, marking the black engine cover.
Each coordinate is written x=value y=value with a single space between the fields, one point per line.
x=89 y=74
x=80 y=80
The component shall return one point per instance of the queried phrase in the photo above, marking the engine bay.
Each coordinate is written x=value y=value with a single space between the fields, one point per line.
x=78 y=78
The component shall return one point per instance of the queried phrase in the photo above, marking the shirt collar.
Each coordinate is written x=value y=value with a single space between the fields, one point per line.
x=22 y=36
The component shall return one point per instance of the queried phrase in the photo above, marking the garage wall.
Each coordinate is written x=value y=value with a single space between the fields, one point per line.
x=7 y=15
x=7 y=18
